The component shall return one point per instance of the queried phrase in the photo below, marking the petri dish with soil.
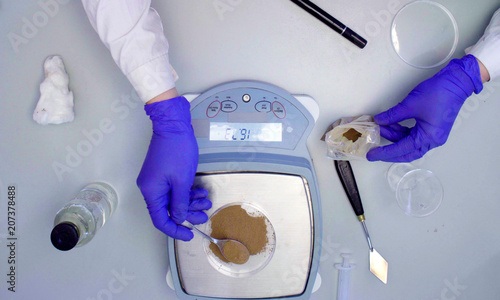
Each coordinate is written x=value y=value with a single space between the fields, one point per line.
x=247 y=224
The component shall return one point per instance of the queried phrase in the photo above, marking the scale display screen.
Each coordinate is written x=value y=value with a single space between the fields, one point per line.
x=246 y=132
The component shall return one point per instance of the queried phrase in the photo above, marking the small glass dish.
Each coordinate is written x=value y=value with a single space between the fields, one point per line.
x=256 y=262
x=424 y=34
x=419 y=192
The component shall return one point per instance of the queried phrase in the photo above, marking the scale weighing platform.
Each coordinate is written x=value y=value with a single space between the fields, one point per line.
x=252 y=139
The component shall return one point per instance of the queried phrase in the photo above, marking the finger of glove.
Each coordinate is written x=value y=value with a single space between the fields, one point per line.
x=197 y=217
x=179 y=202
x=400 y=148
x=396 y=114
x=198 y=193
x=408 y=157
x=163 y=223
x=394 y=132
x=200 y=204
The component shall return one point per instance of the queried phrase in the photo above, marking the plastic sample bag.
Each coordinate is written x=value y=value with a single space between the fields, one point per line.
x=351 y=138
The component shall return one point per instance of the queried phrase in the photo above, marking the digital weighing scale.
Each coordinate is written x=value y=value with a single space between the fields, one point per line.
x=252 y=140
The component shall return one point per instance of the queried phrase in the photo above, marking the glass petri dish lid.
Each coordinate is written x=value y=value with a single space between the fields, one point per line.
x=424 y=34
x=419 y=193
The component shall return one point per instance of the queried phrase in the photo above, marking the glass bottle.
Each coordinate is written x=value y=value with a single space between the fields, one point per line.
x=79 y=220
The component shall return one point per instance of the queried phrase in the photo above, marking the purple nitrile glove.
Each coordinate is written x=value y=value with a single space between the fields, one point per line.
x=434 y=104
x=168 y=171
x=197 y=203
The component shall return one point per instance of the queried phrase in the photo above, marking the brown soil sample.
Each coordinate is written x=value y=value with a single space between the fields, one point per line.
x=235 y=223
x=352 y=134
x=236 y=252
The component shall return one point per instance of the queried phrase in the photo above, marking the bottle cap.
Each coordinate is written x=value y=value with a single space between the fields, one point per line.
x=64 y=236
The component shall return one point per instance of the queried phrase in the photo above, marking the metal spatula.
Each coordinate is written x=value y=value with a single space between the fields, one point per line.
x=378 y=265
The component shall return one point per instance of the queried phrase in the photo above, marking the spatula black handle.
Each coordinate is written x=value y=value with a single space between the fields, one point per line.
x=346 y=176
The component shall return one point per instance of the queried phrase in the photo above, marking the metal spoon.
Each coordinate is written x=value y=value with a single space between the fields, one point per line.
x=232 y=250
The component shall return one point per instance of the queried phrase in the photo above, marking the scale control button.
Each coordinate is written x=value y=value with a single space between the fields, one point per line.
x=229 y=106
x=263 y=106
x=213 y=109
x=246 y=98
x=278 y=110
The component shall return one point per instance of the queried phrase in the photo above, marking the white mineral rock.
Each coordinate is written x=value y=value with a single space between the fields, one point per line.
x=56 y=100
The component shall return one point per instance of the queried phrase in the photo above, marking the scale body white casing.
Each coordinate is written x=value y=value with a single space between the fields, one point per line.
x=274 y=173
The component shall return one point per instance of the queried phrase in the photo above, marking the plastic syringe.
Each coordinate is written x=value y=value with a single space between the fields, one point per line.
x=344 y=282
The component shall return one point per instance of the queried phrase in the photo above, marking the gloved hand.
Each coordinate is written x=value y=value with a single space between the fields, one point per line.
x=434 y=104
x=168 y=171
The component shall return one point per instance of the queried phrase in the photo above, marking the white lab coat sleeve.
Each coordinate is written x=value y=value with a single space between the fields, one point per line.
x=133 y=33
x=487 y=49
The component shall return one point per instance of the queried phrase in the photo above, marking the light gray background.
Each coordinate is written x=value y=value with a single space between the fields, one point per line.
x=272 y=41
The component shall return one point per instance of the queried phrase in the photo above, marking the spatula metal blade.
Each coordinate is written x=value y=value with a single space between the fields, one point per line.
x=378 y=266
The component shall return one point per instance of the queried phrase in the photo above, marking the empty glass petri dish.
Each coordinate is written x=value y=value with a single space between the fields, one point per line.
x=256 y=262
x=424 y=34
x=396 y=172
x=419 y=192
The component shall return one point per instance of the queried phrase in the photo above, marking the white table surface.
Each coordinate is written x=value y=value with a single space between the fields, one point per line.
x=272 y=41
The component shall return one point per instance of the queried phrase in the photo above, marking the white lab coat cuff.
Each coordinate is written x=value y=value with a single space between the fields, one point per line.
x=487 y=52
x=488 y=47
x=153 y=78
